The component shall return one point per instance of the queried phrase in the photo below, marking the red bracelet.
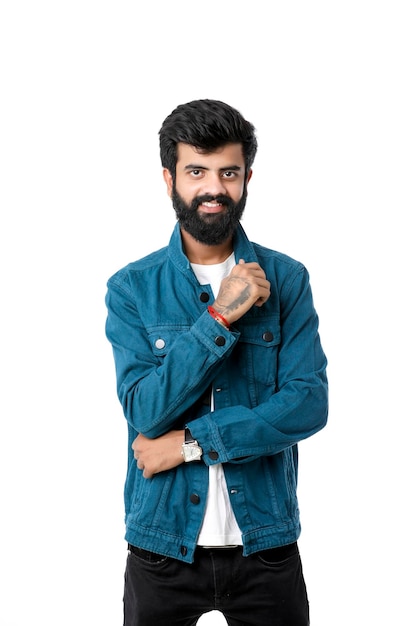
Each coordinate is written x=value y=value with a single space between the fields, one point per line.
x=218 y=317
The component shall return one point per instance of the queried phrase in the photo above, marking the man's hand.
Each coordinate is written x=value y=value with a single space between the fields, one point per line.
x=157 y=455
x=245 y=286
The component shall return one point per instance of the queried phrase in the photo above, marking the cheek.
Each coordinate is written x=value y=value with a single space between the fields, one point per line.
x=237 y=192
x=187 y=192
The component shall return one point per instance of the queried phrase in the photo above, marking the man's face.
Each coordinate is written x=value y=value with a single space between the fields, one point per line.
x=209 y=194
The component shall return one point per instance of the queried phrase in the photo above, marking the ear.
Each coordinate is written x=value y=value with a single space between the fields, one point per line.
x=168 y=180
x=249 y=176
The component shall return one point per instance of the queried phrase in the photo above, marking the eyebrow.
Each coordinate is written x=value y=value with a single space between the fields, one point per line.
x=233 y=168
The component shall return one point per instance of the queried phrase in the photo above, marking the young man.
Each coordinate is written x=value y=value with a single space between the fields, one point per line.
x=220 y=373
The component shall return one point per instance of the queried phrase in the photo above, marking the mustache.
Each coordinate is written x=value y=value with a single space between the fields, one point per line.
x=222 y=199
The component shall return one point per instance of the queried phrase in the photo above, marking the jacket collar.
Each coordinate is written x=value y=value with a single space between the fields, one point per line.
x=242 y=247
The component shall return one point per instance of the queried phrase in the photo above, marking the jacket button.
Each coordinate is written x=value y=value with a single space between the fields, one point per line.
x=220 y=341
x=213 y=455
x=194 y=498
x=204 y=297
x=183 y=550
x=160 y=344
x=268 y=336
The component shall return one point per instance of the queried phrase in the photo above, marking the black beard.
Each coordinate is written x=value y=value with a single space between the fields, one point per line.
x=211 y=229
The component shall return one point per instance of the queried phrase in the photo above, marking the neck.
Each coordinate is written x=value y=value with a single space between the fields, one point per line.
x=203 y=254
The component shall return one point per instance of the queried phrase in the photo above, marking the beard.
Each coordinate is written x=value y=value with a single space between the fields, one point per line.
x=211 y=229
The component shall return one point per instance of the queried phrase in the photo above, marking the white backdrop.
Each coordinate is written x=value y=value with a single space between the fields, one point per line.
x=331 y=89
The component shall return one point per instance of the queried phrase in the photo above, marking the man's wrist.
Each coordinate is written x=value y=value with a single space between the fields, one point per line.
x=191 y=451
x=218 y=317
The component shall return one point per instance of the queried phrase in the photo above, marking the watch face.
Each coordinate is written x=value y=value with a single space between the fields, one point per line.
x=192 y=452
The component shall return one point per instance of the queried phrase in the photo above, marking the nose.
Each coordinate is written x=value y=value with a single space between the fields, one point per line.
x=214 y=184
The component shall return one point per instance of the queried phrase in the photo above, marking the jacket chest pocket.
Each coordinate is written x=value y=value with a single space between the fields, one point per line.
x=258 y=349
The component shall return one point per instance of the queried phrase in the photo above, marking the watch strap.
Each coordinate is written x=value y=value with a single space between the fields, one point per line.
x=191 y=451
x=188 y=438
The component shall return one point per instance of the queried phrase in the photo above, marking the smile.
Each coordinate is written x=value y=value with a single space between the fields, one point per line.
x=212 y=207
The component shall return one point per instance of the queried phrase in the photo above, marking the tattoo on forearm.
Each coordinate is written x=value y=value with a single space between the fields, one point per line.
x=236 y=303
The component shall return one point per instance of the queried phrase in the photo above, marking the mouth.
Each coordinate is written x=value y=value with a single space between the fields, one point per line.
x=211 y=207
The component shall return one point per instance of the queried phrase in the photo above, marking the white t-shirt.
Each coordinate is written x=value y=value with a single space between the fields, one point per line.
x=219 y=527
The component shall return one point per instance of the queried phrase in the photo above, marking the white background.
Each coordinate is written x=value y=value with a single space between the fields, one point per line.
x=85 y=86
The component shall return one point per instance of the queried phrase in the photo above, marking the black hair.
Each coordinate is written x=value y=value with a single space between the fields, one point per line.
x=207 y=125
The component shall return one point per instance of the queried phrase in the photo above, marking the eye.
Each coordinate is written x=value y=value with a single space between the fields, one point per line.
x=195 y=173
x=229 y=174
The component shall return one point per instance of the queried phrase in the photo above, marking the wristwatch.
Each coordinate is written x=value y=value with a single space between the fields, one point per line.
x=191 y=451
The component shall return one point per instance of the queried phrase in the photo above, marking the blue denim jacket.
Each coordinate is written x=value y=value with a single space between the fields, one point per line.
x=268 y=377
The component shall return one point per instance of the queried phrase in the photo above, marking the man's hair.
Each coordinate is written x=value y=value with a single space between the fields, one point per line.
x=207 y=125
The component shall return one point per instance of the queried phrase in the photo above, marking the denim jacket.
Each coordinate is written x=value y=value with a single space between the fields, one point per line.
x=268 y=376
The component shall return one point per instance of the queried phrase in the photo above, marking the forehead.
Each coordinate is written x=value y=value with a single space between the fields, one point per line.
x=228 y=155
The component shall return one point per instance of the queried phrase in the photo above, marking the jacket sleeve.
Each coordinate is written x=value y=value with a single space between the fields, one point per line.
x=297 y=410
x=156 y=391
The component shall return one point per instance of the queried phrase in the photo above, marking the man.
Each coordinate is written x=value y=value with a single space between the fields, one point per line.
x=220 y=373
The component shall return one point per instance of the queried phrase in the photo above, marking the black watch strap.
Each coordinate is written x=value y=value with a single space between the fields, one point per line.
x=188 y=438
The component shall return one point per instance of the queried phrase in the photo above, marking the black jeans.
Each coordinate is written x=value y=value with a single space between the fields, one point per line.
x=264 y=589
